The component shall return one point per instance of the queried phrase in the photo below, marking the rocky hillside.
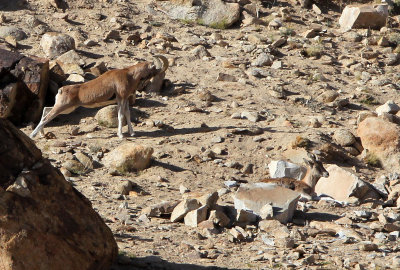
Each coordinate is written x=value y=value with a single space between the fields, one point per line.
x=248 y=83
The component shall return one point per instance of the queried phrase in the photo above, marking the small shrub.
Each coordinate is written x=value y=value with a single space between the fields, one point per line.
x=301 y=142
x=313 y=51
x=372 y=160
x=219 y=25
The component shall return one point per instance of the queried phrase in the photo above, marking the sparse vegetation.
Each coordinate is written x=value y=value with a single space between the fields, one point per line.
x=372 y=160
x=219 y=25
x=313 y=51
x=301 y=142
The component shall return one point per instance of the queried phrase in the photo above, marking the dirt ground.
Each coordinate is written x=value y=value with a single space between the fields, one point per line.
x=193 y=124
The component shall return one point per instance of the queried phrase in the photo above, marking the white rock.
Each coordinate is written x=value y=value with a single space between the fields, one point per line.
x=388 y=107
x=196 y=216
x=281 y=168
x=364 y=16
x=55 y=44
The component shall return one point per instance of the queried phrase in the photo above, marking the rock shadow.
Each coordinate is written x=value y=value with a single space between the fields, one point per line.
x=154 y=262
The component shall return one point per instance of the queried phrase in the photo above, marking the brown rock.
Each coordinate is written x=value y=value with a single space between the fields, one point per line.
x=382 y=139
x=48 y=213
x=129 y=157
x=24 y=86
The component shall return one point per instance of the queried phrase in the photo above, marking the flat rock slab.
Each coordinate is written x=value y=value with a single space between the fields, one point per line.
x=342 y=184
x=253 y=197
x=281 y=168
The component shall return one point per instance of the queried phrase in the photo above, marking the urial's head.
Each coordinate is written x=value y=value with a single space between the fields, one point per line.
x=316 y=166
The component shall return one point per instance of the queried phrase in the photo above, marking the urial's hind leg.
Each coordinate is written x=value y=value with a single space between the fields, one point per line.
x=120 y=117
x=127 y=113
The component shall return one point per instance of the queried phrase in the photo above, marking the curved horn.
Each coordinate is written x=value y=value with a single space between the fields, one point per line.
x=164 y=65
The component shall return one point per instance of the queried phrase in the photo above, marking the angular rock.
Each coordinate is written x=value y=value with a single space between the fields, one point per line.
x=213 y=13
x=193 y=218
x=108 y=116
x=342 y=184
x=263 y=59
x=219 y=218
x=251 y=116
x=204 y=198
x=245 y=217
x=281 y=168
x=23 y=88
x=124 y=187
x=183 y=208
x=254 y=196
x=274 y=227
x=157 y=210
x=129 y=157
x=388 y=107
x=364 y=16
x=55 y=217
x=55 y=44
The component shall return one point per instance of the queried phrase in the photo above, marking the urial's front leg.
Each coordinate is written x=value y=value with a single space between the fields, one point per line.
x=120 y=118
x=127 y=113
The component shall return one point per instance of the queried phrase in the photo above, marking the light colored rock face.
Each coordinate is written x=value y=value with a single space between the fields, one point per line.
x=254 y=196
x=388 y=107
x=196 y=216
x=48 y=214
x=364 y=16
x=55 y=44
x=183 y=208
x=342 y=184
x=281 y=168
x=381 y=138
x=129 y=157
x=214 y=13
x=344 y=137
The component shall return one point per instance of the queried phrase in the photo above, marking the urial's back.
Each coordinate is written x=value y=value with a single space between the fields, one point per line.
x=305 y=186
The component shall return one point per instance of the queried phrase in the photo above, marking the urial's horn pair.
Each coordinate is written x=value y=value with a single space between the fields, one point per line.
x=121 y=83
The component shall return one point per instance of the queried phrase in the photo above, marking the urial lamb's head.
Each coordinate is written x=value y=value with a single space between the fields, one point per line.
x=316 y=167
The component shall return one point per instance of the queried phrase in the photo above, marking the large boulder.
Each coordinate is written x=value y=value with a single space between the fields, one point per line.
x=45 y=222
x=213 y=13
x=364 y=16
x=254 y=197
x=381 y=138
x=342 y=184
x=129 y=157
x=24 y=86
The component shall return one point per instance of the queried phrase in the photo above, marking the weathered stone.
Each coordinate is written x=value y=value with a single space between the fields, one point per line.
x=281 y=168
x=204 y=198
x=70 y=62
x=23 y=88
x=254 y=196
x=245 y=217
x=382 y=139
x=226 y=78
x=214 y=13
x=183 y=208
x=388 y=107
x=364 y=16
x=344 y=137
x=129 y=157
x=160 y=209
x=108 y=117
x=54 y=216
x=274 y=227
x=85 y=160
x=55 y=44
x=342 y=184
x=194 y=217
x=219 y=218
x=263 y=59
x=12 y=31
x=251 y=116
x=124 y=187
x=200 y=51
x=75 y=167
x=338 y=229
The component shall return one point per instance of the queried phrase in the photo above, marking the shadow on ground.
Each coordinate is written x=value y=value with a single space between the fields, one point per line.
x=154 y=262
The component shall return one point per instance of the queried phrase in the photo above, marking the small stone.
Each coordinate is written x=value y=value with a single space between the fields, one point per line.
x=368 y=246
x=183 y=208
x=388 y=107
x=124 y=187
x=251 y=116
x=112 y=35
x=183 y=189
x=344 y=137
